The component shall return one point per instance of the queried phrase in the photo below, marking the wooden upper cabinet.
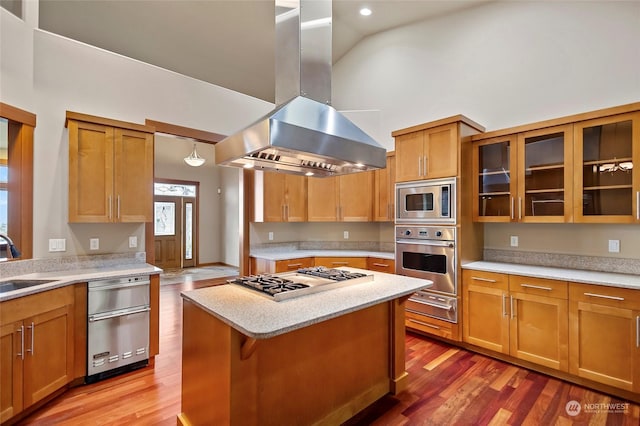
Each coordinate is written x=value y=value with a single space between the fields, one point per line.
x=346 y=198
x=432 y=150
x=280 y=197
x=607 y=179
x=383 y=191
x=578 y=168
x=110 y=172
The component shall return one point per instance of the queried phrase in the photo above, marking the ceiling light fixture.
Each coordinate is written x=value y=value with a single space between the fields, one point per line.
x=194 y=159
x=624 y=166
x=365 y=11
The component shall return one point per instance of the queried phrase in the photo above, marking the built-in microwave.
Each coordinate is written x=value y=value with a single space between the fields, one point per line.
x=426 y=201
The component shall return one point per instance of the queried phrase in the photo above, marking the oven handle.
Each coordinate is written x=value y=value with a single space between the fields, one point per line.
x=117 y=285
x=433 y=243
x=433 y=305
x=116 y=314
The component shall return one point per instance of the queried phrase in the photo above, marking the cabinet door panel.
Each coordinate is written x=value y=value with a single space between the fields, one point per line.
x=10 y=370
x=356 y=192
x=273 y=197
x=48 y=353
x=485 y=321
x=323 y=199
x=441 y=152
x=409 y=153
x=295 y=198
x=133 y=176
x=90 y=172
x=539 y=330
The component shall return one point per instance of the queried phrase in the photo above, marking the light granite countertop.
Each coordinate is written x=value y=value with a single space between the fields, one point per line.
x=72 y=276
x=260 y=317
x=574 y=275
x=269 y=254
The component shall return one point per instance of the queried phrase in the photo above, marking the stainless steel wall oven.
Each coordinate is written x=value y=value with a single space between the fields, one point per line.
x=117 y=326
x=429 y=252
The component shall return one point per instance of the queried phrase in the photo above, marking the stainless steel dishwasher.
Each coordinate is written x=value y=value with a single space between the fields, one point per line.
x=118 y=326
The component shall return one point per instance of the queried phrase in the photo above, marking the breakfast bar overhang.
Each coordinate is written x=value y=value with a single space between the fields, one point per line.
x=316 y=359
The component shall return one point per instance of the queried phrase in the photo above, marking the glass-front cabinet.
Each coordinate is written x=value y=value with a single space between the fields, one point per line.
x=524 y=177
x=607 y=185
x=494 y=171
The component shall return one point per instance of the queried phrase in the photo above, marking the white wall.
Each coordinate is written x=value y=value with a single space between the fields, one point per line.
x=504 y=64
x=48 y=75
x=501 y=64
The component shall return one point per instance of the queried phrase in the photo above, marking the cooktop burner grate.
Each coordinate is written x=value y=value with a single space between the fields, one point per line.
x=331 y=274
x=268 y=283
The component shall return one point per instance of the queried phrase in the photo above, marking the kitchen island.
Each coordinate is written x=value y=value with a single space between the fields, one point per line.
x=315 y=359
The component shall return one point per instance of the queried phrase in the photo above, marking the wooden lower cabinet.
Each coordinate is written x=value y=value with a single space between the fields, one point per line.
x=339 y=262
x=37 y=348
x=264 y=266
x=381 y=265
x=604 y=335
x=433 y=326
x=523 y=317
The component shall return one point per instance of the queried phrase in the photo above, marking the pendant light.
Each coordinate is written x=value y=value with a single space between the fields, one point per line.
x=194 y=159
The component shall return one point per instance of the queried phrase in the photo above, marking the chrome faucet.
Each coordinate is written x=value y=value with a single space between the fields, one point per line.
x=12 y=251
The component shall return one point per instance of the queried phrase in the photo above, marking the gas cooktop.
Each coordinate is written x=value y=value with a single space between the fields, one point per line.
x=287 y=285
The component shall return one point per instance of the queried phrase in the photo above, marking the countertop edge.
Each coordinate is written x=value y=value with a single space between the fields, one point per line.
x=70 y=277
x=608 y=279
x=297 y=254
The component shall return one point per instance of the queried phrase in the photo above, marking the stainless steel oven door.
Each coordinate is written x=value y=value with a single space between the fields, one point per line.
x=433 y=305
x=434 y=260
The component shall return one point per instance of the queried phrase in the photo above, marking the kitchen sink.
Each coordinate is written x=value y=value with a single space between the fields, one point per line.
x=11 y=285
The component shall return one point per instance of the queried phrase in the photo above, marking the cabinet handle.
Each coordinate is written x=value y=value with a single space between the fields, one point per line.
x=21 y=331
x=340 y=263
x=602 y=296
x=382 y=265
x=513 y=315
x=539 y=287
x=419 y=165
x=110 y=207
x=33 y=332
x=512 y=209
x=638 y=205
x=425 y=324
x=425 y=165
x=118 y=207
x=519 y=208
x=504 y=305
x=483 y=279
x=294 y=265
x=638 y=331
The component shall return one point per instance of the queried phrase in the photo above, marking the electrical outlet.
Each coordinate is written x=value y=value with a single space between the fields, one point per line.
x=270 y=236
x=57 y=244
x=94 y=243
x=133 y=241
x=514 y=241
x=614 y=246
x=346 y=235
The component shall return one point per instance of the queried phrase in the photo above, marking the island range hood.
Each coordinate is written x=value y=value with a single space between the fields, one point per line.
x=304 y=134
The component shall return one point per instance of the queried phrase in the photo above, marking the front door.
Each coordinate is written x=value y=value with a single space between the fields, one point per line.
x=167 y=218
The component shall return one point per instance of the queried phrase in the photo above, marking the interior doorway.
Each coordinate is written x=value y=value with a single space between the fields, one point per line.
x=175 y=224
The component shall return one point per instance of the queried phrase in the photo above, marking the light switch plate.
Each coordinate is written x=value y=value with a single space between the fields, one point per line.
x=514 y=241
x=270 y=236
x=57 y=244
x=346 y=235
x=133 y=241
x=94 y=244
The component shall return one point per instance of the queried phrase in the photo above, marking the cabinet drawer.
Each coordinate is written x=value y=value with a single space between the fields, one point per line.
x=538 y=286
x=603 y=295
x=429 y=325
x=485 y=279
x=293 y=264
x=337 y=262
x=381 y=265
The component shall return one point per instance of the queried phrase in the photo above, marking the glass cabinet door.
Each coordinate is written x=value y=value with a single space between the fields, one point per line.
x=544 y=180
x=494 y=179
x=607 y=183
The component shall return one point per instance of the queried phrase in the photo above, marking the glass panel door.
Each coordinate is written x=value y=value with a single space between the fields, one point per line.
x=494 y=184
x=607 y=152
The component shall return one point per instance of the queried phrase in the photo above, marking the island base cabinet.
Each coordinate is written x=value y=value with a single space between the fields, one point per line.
x=604 y=335
x=321 y=374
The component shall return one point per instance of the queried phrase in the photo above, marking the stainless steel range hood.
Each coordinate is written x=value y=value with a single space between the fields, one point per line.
x=304 y=134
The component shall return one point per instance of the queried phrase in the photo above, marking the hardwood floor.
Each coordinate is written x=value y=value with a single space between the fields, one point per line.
x=447 y=386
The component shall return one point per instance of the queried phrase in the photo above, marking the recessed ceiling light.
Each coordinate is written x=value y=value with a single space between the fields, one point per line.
x=365 y=11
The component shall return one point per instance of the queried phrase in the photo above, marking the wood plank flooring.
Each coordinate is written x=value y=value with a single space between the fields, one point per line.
x=447 y=386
